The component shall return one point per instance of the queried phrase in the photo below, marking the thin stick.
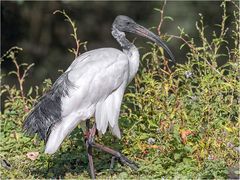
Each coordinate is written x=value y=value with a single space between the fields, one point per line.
x=161 y=18
x=75 y=51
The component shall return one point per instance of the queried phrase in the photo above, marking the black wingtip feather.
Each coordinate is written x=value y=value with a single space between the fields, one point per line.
x=47 y=112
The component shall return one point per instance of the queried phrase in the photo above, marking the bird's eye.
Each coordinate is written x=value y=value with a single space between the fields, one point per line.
x=128 y=23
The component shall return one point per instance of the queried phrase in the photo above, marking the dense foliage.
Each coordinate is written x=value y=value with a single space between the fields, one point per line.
x=180 y=121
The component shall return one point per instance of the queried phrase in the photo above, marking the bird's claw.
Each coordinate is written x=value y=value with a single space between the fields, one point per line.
x=124 y=160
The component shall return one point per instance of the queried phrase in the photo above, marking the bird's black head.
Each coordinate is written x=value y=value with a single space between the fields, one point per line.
x=126 y=24
x=123 y=23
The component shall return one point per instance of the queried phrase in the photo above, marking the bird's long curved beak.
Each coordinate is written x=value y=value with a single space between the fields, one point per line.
x=142 y=31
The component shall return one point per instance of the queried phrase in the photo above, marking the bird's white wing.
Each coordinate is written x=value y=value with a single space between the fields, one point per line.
x=95 y=76
x=98 y=80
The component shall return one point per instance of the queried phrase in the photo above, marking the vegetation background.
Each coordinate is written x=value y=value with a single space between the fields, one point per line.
x=177 y=121
x=44 y=36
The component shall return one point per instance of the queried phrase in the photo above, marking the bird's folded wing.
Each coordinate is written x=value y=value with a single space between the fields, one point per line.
x=95 y=76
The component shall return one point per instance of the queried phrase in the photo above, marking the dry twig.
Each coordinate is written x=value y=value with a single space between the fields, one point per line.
x=75 y=51
x=11 y=53
x=161 y=18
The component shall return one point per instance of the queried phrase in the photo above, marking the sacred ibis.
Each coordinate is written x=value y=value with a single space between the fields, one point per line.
x=92 y=86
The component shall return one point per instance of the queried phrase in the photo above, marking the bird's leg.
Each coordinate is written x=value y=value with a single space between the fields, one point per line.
x=112 y=163
x=88 y=139
x=116 y=155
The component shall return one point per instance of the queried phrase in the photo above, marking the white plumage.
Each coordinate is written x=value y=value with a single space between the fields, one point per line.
x=99 y=79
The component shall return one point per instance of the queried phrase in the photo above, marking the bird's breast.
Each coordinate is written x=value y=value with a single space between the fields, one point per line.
x=133 y=57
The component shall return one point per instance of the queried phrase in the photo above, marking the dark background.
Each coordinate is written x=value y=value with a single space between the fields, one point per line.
x=45 y=38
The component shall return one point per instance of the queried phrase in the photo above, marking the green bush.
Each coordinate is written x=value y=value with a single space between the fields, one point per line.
x=177 y=122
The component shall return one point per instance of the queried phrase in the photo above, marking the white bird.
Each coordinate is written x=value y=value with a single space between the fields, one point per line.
x=92 y=86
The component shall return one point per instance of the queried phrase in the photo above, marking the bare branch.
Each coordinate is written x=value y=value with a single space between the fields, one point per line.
x=185 y=41
x=75 y=51
x=161 y=18
x=11 y=54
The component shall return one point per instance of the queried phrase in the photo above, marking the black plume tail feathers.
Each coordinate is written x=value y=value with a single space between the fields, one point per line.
x=40 y=120
x=47 y=112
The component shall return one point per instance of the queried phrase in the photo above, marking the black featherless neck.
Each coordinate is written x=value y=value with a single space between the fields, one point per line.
x=121 y=38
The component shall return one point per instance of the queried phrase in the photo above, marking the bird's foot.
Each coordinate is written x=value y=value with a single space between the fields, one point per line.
x=123 y=160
